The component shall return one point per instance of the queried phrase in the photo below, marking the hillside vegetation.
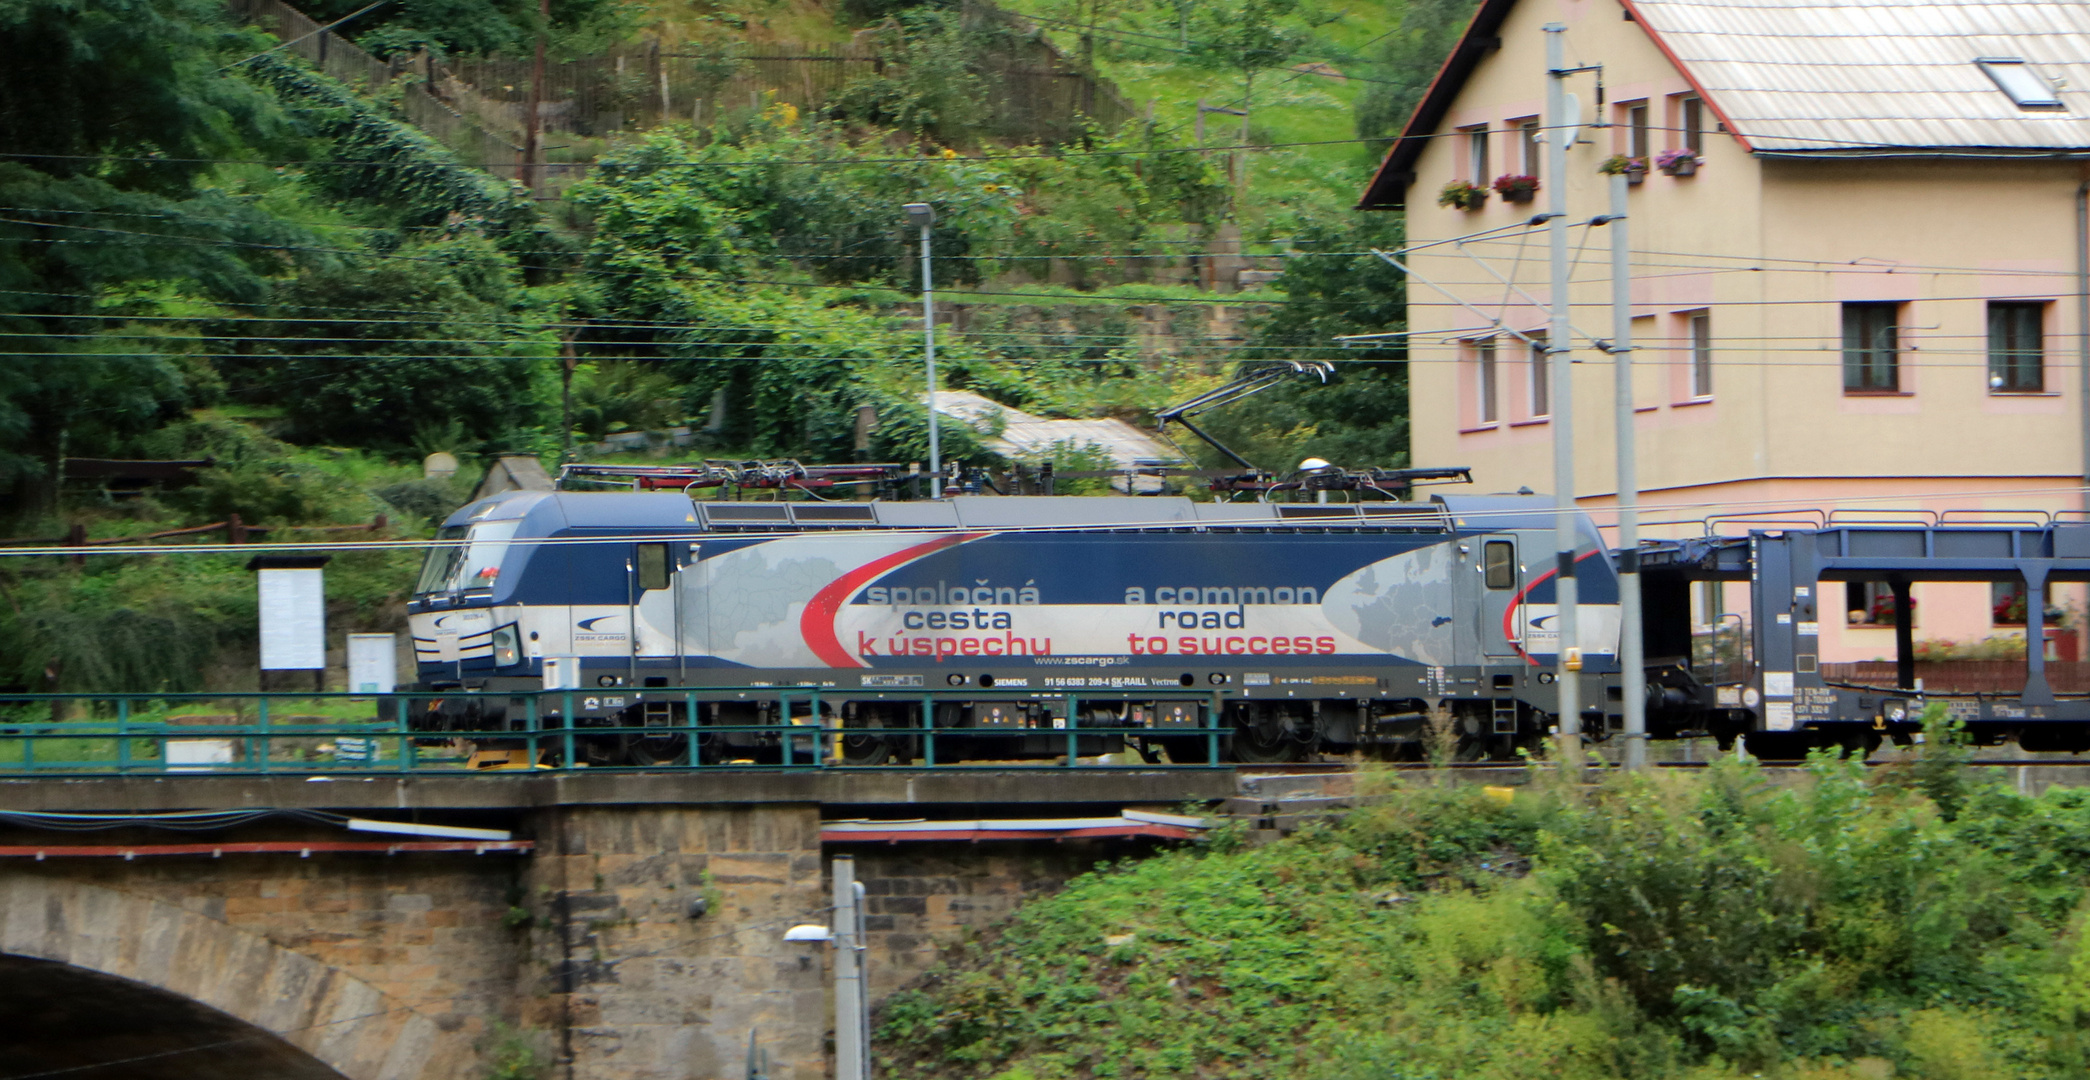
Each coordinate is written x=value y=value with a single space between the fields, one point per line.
x=212 y=252
x=1852 y=926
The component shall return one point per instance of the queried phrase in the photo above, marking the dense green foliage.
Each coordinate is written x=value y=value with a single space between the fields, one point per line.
x=1708 y=926
x=1407 y=62
x=477 y=26
x=208 y=250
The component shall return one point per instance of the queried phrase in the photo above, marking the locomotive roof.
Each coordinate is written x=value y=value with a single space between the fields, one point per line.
x=551 y=511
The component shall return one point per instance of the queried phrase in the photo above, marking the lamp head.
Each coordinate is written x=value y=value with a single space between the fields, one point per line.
x=809 y=932
x=920 y=214
x=1312 y=463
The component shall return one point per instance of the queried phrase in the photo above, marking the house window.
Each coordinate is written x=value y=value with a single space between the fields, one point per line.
x=2016 y=347
x=1871 y=603
x=1871 y=348
x=1484 y=371
x=2007 y=603
x=1700 y=325
x=1690 y=116
x=1477 y=154
x=1636 y=132
x=1541 y=396
x=1529 y=149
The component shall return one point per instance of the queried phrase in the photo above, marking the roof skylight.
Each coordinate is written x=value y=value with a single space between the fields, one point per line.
x=2028 y=88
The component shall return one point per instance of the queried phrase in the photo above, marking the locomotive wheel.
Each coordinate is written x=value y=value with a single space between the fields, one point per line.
x=861 y=747
x=650 y=752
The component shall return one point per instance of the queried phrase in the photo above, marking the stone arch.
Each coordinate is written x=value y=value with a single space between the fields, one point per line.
x=341 y=1021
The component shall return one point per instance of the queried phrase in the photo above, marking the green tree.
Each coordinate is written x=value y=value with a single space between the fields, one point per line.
x=1245 y=37
x=111 y=112
x=1334 y=287
x=1407 y=62
x=442 y=341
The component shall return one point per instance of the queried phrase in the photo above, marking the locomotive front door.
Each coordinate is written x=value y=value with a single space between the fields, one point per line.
x=1502 y=581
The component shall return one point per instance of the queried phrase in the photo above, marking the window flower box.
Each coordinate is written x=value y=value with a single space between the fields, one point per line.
x=1632 y=168
x=1516 y=188
x=1462 y=195
x=1677 y=162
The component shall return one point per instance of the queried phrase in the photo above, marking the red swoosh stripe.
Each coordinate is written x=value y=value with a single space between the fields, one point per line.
x=1509 y=613
x=817 y=625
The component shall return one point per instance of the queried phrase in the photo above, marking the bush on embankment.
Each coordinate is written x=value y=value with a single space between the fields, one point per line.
x=1696 y=926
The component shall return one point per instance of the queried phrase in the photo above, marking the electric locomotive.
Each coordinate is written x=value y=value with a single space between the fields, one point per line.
x=1010 y=623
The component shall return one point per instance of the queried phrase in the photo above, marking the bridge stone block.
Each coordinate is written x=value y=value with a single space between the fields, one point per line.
x=651 y=993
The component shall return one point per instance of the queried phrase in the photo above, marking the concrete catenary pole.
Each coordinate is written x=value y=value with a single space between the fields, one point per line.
x=1559 y=350
x=1632 y=664
x=923 y=215
x=852 y=1012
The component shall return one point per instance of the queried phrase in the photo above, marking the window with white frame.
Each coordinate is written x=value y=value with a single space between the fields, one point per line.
x=2016 y=347
x=1477 y=154
x=1690 y=120
x=1698 y=335
x=1539 y=371
x=1871 y=348
x=1529 y=150
x=1637 y=146
x=1484 y=380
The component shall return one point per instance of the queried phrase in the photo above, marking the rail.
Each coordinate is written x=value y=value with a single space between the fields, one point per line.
x=334 y=734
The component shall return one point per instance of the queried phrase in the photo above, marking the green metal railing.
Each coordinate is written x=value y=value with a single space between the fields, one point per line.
x=252 y=733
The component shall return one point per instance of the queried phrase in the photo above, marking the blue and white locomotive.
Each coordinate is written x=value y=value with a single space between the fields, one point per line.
x=1296 y=627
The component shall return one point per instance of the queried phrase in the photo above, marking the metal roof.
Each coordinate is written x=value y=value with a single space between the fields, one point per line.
x=1880 y=76
x=1829 y=78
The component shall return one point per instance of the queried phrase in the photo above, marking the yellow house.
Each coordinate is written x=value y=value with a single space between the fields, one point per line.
x=1857 y=270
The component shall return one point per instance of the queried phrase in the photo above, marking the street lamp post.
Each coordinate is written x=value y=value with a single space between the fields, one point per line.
x=852 y=989
x=923 y=216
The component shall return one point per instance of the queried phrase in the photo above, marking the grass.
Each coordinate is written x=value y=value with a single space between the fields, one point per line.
x=1291 y=105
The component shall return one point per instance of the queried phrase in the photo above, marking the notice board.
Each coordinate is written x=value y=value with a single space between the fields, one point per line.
x=293 y=619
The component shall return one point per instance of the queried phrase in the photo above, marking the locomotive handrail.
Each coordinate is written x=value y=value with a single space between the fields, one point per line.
x=133 y=735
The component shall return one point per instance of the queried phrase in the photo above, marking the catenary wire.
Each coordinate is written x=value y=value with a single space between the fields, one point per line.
x=1710 y=508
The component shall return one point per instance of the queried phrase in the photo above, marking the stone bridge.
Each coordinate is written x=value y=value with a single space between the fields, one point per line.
x=639 y=936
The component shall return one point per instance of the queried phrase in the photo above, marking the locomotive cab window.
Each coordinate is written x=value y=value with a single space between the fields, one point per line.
x=473 y=564
x=653 y=567
x=1499 y=564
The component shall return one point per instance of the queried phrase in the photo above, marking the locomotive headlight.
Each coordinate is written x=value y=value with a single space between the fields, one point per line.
x=504 y=651
x=1896 y=711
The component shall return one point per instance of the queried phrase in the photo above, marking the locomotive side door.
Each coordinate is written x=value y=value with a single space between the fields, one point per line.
x=1502 y=584
x=652 y=600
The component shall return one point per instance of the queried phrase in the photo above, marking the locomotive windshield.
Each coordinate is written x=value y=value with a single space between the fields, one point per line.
x=474 y=564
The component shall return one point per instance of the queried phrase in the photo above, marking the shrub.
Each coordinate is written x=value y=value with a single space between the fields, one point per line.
x=1691 y=927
